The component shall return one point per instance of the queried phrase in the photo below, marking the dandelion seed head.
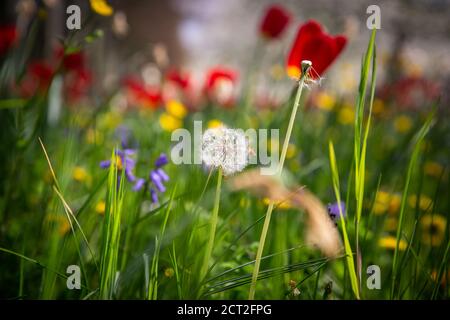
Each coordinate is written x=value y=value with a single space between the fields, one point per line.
x=225 y=148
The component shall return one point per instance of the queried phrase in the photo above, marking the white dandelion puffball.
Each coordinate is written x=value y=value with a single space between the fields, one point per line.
x=225 y=148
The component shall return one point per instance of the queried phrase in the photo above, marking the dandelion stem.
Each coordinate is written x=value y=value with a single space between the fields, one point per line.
x=213 y=224
x=306 y=65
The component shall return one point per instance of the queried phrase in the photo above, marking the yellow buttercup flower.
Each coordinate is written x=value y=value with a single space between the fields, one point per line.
x=244 y=202
x=100 y=207
x=346 y=115
x=176 y=109
x=378 y=107
x=169 y=122
x=62 y=224
x=325 y=101
x=386 y=202
x=425 y=202
x=214 y=123
x=390 y=242
x=444 y=278
x=101 y=7
x=283 y=205
x=382 y=201
x=94 y=136
x=291 y=151
x=110 y=120
x=169 y=272
x=394 y=203
x=403 y=124
x=80 y=174
x=433 y=169
x=433 y=229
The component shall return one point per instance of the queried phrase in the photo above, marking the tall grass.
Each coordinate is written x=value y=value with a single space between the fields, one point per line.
x=110 y=239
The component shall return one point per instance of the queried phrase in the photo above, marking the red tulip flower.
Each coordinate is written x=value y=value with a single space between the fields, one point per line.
x=149 y=97
x=75 y=61
x=220 y=85
x=37 y=79
x=181 y=79
x=77 y=84
x=315 y=45
x=8 y=37
x=274 y=22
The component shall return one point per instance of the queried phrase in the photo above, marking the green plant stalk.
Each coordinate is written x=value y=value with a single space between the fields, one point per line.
x=360 y=149
x=262 y=240
x=347 y=246
x=213 y=225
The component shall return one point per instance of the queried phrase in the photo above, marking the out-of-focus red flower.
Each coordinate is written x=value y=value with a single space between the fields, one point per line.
x=180 y=79
x=8 y=37
x=274 y=22
x=220 y=85
x=76 y=84
x=411 y=92
x=74 y=61
x=149 y=97
x=37 y=79
x=77 y=77
x=313 y=44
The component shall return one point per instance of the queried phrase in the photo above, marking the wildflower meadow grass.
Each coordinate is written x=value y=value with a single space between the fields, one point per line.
x=357 y=207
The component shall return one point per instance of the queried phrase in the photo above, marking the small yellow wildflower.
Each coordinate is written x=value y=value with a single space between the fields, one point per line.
x=394 y=203
x=433 y=169
x=244 y=202
x=425 y=202
x=283 y=205
x=403 y=124
x=291 y=151
x=60 y=222
x=214 y=123
x=378 y=107
x=382 y=201
x=94 y=136
x=169 y=272
x=101 y=7
x=110 y=120
x=433 y=229
x=100 y=207
x=390 y=242
x=346 y=115
x=169 y=122
x=434 y=276
x=80 y=174
x=325 y=101
x=64 y=227
x=176 y=109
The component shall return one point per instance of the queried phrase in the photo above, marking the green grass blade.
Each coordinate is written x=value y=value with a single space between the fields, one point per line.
x=347 y=246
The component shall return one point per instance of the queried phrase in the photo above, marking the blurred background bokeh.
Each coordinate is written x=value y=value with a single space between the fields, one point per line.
x=198 y=34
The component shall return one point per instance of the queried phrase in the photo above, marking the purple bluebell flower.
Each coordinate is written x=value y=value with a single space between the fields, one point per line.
x=156 y=179
x=139 y=184
x=161 y=161
x=154 y=195
x=124 y=162
x=333 y=210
